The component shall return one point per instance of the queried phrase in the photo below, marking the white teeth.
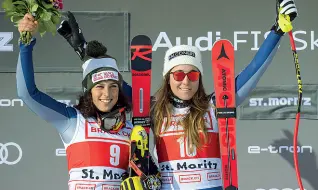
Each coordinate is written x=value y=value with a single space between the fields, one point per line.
x=106 y=101
x=185 y=89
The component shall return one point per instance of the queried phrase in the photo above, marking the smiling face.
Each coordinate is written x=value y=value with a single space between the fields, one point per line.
x=184 y=89
x=105 y=95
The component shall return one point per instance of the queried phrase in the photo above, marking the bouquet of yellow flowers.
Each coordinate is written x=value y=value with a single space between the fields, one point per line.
x=46 y=12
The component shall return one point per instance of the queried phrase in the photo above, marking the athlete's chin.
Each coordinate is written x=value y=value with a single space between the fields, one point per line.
x=185 y=95
x=104 y=108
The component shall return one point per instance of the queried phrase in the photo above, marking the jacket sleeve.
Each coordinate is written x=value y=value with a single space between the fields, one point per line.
x=56 y=113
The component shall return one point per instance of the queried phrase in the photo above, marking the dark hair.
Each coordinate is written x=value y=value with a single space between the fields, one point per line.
x=88 y=109
x=95 y=49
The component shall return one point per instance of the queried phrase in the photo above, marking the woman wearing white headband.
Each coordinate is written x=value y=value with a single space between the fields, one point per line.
x=185 y=124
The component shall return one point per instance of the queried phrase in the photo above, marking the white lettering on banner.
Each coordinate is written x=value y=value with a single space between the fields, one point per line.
x=4 y=153
x=313 y=42
x=282 y=101
x=236 y=40
x=10 y=102
x=5 y=38
x=255 y=33
x=277 y=150
x=205 y=43
x=303 y=42
x=163 y=41
x=19 y=102
x=60 y=152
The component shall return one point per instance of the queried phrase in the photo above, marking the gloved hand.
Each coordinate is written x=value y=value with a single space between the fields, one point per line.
x=151 y=182
x=132 y=183
x=286 y=12
x=70 y=30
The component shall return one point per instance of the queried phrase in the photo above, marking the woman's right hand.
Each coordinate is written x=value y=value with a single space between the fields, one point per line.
x=28 y=24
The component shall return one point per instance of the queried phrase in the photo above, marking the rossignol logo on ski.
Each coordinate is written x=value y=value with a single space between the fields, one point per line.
x=141 y=51
x=141 y=54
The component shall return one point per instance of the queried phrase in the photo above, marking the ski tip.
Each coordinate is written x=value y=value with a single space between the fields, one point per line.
x=223 y=41
x=222 y=48
x=141 y=40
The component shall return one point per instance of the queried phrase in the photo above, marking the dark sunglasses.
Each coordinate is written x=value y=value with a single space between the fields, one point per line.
x=180 y=75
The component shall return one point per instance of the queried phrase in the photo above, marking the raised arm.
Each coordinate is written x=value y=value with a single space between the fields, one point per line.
x=247 y=80
x=47 y=108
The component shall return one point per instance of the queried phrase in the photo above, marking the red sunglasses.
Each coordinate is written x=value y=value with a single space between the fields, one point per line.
x=180 y=75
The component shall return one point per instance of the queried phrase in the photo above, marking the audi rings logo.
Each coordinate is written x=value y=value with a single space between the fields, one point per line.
x=4 y=153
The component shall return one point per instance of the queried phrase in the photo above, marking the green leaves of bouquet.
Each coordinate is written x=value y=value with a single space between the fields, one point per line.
x=44 y=11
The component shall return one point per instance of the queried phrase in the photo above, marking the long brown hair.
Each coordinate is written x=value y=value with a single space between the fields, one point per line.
x=193 y=122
